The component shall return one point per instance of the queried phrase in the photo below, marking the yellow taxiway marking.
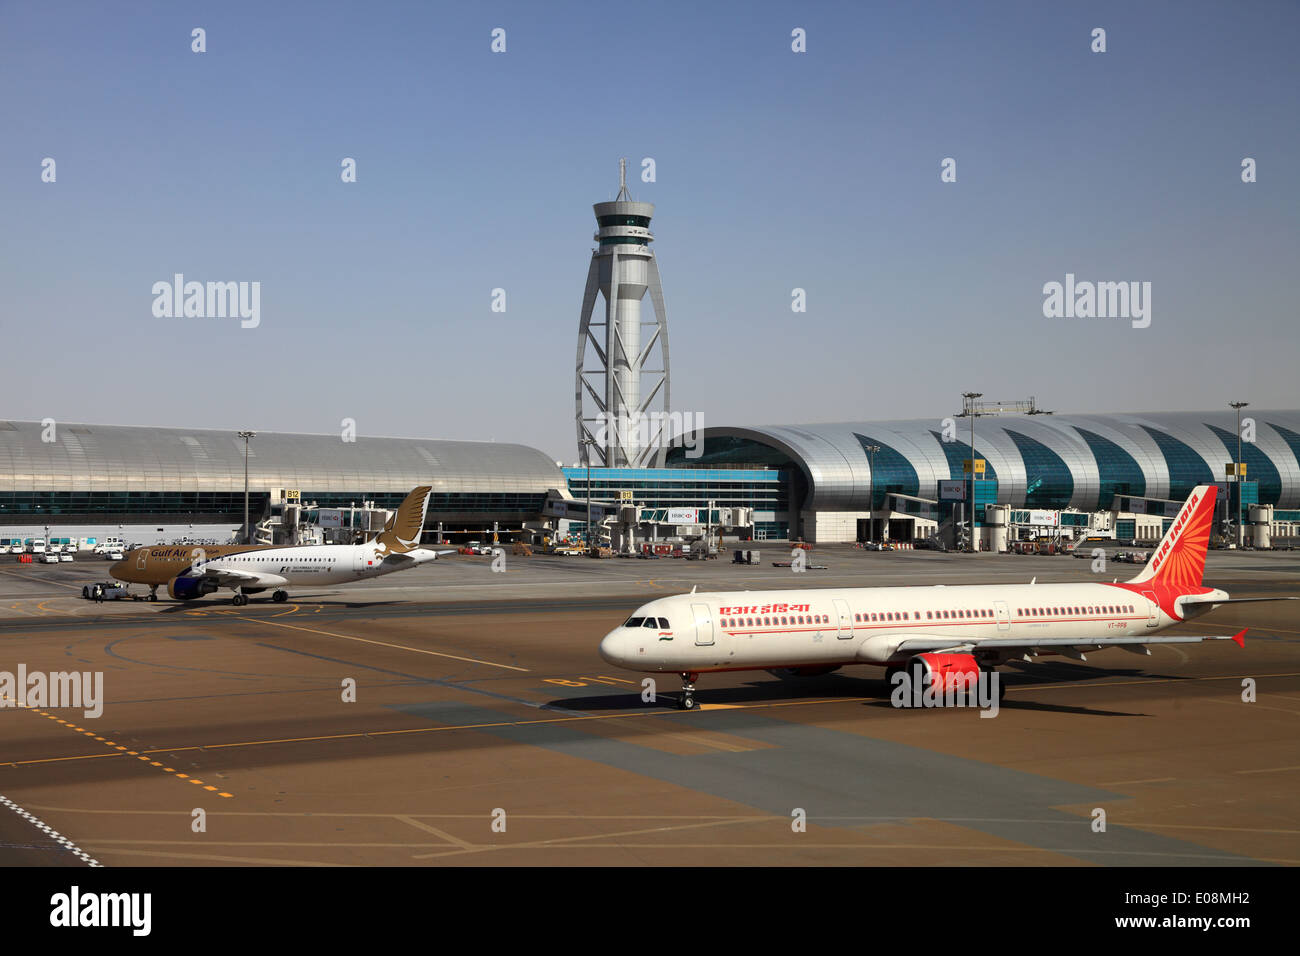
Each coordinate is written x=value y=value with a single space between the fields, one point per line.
x=400 y=647
x=1130 y=783
x=442 y=834
x=549 y=720
x=1269 y=770
x=121 y=751
x=1240 y=703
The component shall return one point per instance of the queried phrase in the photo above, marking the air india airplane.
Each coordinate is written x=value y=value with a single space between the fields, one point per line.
x=192 y=572
x=933 y=633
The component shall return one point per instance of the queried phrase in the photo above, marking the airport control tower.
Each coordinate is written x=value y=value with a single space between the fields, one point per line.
x=621 y=389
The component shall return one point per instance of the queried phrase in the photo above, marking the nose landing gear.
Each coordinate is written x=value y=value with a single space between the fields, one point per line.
x=279 y=597
x=687 y=700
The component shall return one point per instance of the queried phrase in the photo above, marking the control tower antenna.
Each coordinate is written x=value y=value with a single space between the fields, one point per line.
x=616 y=382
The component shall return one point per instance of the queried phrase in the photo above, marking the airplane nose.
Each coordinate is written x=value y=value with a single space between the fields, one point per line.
x=612 y=647
x=115 y=570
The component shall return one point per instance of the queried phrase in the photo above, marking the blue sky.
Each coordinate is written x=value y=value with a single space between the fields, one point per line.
x=775 y=170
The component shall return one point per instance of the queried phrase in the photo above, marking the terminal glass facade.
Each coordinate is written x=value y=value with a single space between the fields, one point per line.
x=762 y=489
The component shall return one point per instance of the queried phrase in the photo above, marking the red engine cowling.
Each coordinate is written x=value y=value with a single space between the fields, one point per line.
x=950 y=671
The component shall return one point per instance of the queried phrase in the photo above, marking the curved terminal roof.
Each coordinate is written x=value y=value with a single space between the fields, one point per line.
x=1039 y=461
x=127 y=458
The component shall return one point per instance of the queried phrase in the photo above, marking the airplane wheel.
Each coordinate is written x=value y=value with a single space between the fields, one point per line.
x=152 y=597
x=239 y=600
x=686 y=703
x=279 y=597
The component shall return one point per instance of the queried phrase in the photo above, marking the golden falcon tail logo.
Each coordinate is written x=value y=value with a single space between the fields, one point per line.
x=402 y=532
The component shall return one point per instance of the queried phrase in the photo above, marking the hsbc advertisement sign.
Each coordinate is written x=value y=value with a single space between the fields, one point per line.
x=683 y=515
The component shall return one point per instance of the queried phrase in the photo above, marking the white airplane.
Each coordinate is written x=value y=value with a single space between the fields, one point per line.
x=194 y=572
x=946 y=632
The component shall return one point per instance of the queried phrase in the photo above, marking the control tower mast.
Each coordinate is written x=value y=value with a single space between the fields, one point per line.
x=613 y=379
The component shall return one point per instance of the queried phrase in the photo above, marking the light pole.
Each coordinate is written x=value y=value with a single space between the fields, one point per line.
x=871 y=514
x=586 y=453
x=1237 y=468
x=248 y=532
x=970 y=410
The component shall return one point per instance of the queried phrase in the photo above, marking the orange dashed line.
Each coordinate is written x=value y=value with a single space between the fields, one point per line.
x=128 y=753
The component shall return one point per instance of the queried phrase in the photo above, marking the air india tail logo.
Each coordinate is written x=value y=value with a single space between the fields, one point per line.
x=1181 y=559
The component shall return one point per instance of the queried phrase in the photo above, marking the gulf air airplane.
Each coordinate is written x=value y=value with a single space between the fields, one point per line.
x=193 y=572
x=937 y=633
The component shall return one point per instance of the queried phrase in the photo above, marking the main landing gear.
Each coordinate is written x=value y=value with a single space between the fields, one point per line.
x=153 y=593
x=687 y=700
x=279 y=597
x=240 y=599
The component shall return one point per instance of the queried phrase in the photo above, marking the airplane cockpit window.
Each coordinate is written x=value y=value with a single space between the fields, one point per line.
x=663 y=624
x=634 y=622
x=650 y=622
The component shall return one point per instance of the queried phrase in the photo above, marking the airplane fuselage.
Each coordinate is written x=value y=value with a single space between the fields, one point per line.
x=828 y=627
x=275 y=566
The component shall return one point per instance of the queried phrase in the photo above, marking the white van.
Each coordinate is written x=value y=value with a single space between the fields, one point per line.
x=38 y=545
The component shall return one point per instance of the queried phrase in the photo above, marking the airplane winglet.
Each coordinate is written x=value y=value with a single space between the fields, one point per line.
x=1240 y=638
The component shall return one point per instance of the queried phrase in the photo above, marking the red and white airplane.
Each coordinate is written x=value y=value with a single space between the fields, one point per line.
x=938 y=630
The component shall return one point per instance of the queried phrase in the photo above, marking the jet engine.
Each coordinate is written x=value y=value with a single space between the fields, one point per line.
x=187 y=589
x=950 y=671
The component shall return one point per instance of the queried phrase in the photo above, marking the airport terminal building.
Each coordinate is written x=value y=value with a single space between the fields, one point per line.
x=809 y=482
x=75 y=474
x=1129 y=464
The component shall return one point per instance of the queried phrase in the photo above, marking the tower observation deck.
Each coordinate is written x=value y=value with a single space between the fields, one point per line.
x=621 y=387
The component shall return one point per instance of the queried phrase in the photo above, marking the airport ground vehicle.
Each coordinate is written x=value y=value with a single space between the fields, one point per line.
x=38 y=545
x=49 y=557
x=112 y=591
x=114 y=556
x=66 y=556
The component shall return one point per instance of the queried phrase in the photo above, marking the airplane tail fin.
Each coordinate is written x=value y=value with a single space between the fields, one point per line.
x=1179 y=559
x=402 y=532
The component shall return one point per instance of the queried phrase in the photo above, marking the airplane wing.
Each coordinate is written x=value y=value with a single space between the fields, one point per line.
x=1072 y=646
x=230 y=578
x=1209 y=599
